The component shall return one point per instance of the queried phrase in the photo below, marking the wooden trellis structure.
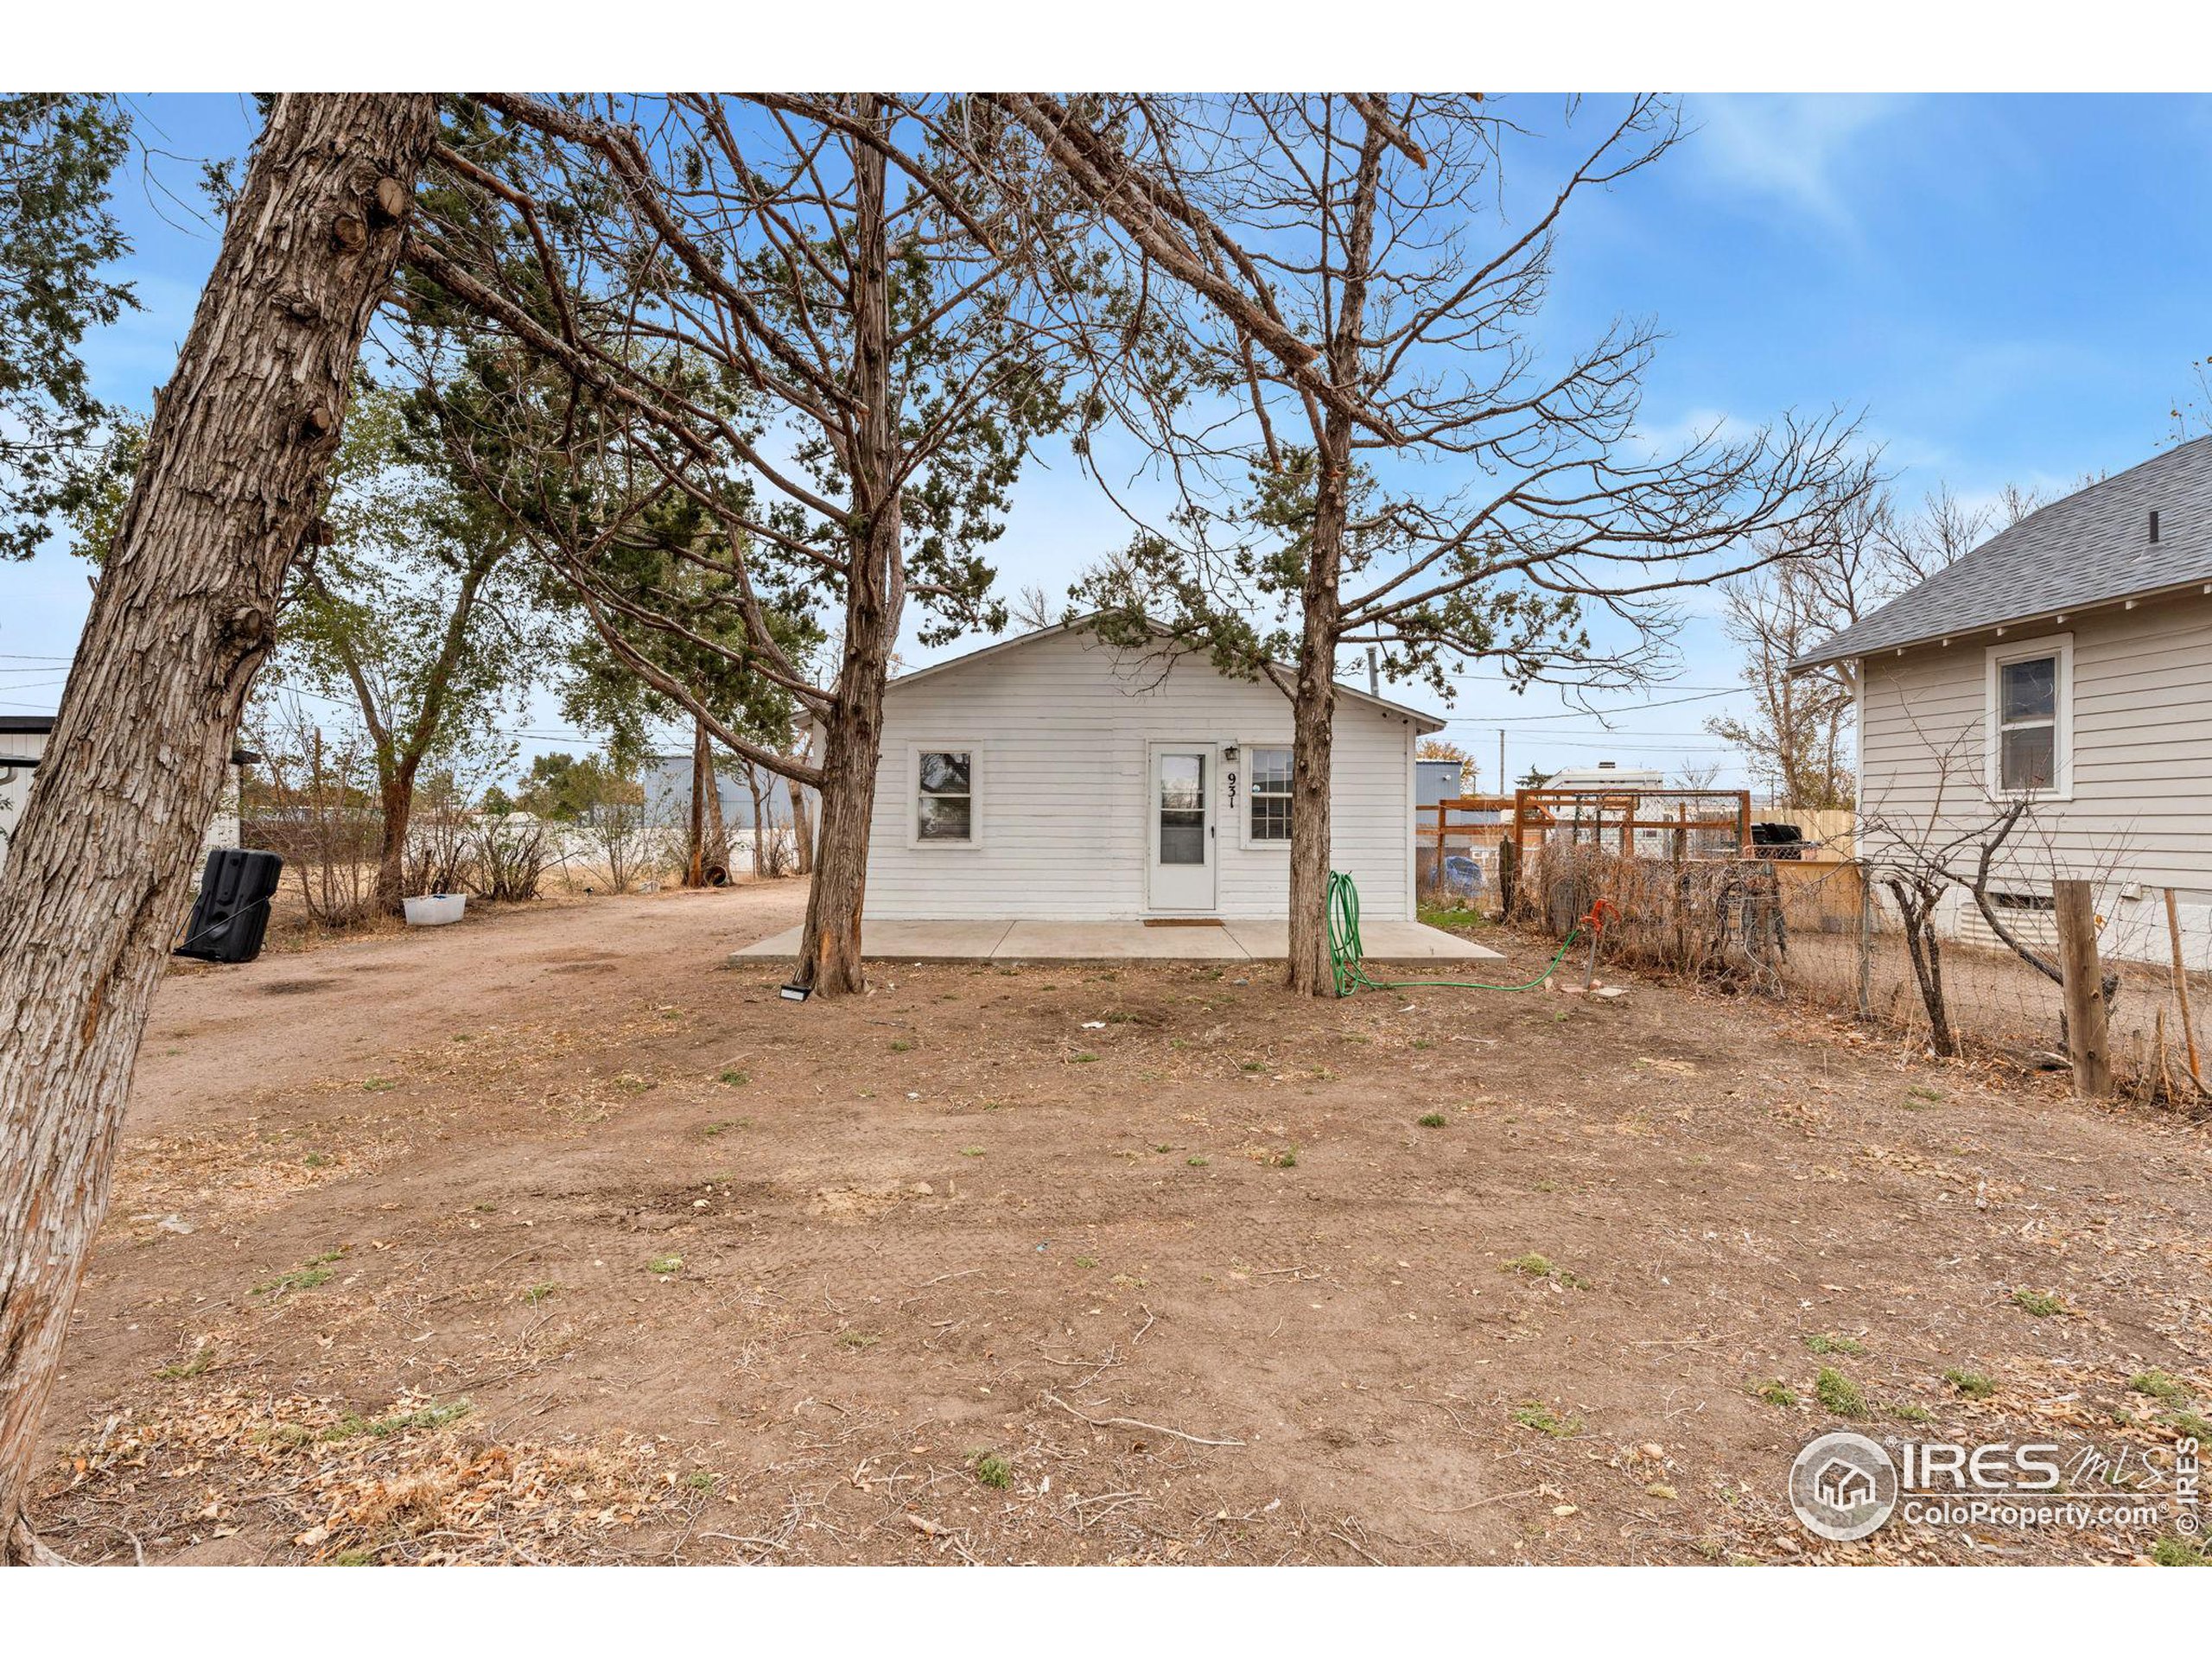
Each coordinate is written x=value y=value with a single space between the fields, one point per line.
x=1691 y=825
x=1673 y=823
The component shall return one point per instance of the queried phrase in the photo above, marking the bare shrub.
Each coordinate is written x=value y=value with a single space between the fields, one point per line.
x=314 y=801
x=510 y=855
x=1719 y=918
x=625 y=847
x=441 y=853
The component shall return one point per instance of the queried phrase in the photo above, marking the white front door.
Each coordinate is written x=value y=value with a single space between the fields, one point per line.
x=1180 y=804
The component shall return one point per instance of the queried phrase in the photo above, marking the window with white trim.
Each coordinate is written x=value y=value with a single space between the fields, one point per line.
x=945 y=796
x=1268 y=817
x=2030 y=700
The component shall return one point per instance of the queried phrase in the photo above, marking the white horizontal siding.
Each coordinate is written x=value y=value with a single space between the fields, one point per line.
x=1060 y=727
x=15 y=781
x=16 y=791
x=2141 y=810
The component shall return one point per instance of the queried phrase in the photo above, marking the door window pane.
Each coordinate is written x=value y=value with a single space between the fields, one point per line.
x=1182 y=808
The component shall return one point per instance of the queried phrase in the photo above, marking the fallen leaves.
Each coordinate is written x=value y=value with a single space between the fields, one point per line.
x=417 y=1480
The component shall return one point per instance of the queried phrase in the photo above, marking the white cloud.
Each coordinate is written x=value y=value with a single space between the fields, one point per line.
x=1787 y=147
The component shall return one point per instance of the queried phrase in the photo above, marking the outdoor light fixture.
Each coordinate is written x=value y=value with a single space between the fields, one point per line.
x=796 y=993
x=1229 y=753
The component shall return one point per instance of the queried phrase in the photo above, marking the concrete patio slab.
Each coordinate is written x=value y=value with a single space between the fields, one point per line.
x=959 y=941
x=1413 y=942
x=1115 y=941
x=1118 y=941
x=1382 y=941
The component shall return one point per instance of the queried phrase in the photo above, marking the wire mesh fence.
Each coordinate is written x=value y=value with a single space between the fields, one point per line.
x=1823 y=931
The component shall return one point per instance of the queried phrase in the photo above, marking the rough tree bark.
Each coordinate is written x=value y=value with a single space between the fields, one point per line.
x=396 y=800
x=98 y=872
x=1312 y=740
x=830 y=951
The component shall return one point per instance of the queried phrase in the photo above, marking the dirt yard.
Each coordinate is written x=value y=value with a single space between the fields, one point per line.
x=553 y=1238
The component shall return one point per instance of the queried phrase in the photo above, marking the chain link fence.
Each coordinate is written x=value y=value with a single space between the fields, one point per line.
x=1823 y=932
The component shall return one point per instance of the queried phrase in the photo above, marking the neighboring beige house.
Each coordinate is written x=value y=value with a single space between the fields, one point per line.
x=1053 y=777
x=2069 y=660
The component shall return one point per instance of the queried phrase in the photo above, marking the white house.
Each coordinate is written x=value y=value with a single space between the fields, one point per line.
x=1607 y=775
x=1054 y=776
x=22 y=745
x=2067 y=660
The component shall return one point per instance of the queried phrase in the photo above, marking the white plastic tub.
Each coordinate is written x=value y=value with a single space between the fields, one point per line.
x=435 y=909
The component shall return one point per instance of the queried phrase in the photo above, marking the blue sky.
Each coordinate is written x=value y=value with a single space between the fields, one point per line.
x=2012 y=289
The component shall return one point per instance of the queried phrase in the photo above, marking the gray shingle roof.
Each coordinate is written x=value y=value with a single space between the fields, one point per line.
x=2092 y=548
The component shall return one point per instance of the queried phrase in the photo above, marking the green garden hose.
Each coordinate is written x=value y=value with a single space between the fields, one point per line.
x=1351 y=972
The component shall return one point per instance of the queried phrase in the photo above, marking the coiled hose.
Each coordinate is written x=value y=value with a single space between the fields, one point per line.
x=1346 y=965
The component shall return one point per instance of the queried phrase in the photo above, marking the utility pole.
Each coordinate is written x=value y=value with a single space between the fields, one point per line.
x=1500 y=759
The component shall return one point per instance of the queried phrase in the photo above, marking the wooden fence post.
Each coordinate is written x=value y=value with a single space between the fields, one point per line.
x=2074 y=907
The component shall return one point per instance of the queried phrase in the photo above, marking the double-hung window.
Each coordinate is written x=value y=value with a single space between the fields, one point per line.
x=1269 y=820
x=944 y=797
x=2029 y=697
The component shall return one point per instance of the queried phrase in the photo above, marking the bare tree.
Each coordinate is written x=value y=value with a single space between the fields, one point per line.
x=794 y=312
x=1797 y=732
x=98 y=872
x=1941 y=828
x=1371 y=446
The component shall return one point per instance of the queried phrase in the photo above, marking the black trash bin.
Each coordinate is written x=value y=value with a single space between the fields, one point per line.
x=232 y=914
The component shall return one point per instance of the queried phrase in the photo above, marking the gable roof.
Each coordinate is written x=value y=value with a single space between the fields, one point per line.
x=1423 y=721
x=2092 y=548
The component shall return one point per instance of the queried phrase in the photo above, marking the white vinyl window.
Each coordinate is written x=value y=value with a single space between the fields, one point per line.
x=2030 y=718
x=944 y=797
x=1267 y=817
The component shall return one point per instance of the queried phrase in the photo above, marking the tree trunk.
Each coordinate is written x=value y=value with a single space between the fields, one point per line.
x=829 y=950
x=397 y=798
x=1925 y=951
x=801 y=830
x=99 y=870
x=763 y=825
x=702 y=772
x=717 y=862
x=1313 y=716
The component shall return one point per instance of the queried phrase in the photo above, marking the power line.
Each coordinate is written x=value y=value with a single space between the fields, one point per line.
x=1592 y=713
